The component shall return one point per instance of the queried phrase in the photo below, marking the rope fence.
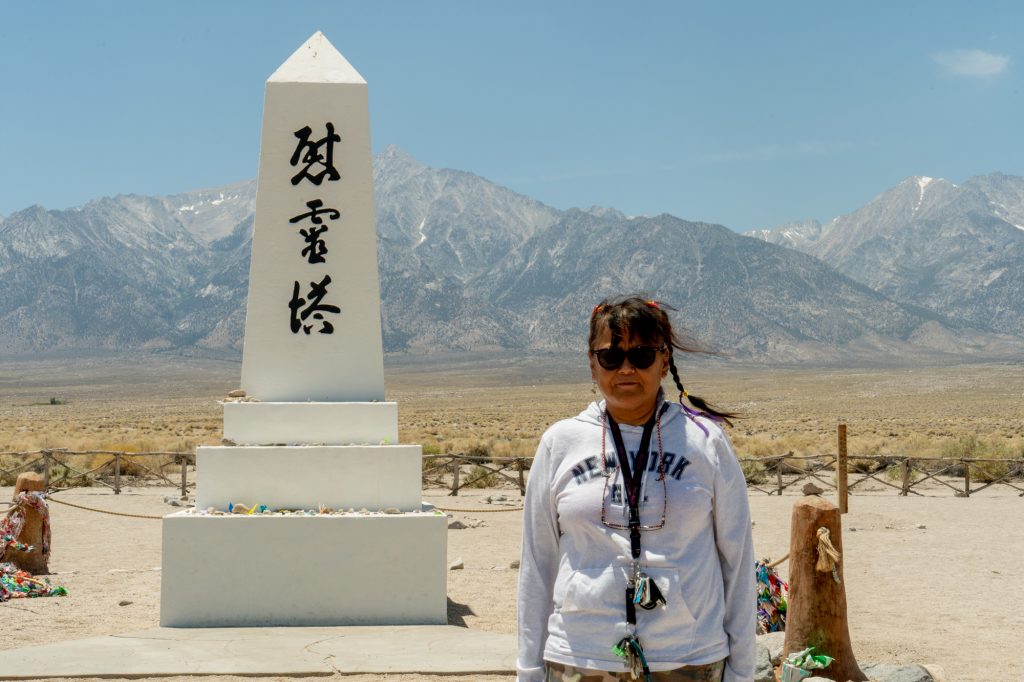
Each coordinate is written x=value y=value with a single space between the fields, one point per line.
x=55 y=466
x=445 y=471
x=104 y=511
x=901 y=473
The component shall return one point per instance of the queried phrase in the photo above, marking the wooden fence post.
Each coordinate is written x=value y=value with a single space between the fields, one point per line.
x=46 y=470
x=841 y=480
x=35 y=558
x=778 y=474
x=967 y=478
x=522 y=477
x=906 y=477
x=455 y=476
x=117 y=473
x=816 y=615
x=184 y=477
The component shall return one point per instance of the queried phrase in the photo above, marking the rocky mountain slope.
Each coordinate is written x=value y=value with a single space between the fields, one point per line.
x=124 y=272
x=466 y=264
x=957 y=250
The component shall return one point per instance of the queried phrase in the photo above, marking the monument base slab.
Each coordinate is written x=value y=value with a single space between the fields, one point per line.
x=304 y=477
x=286 y=652
x=272 y=423
x=239 y=570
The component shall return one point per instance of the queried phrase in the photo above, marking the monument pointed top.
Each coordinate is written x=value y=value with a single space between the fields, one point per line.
x=317 y=61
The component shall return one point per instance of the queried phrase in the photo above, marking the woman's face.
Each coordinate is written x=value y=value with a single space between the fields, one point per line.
x=630 y=393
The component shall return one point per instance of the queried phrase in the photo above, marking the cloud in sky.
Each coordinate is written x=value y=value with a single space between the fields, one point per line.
x=976 y=63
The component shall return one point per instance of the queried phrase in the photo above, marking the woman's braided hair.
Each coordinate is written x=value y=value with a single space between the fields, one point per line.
x=647 y=320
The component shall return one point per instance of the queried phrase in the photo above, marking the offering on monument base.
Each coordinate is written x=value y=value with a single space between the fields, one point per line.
x=321 y=510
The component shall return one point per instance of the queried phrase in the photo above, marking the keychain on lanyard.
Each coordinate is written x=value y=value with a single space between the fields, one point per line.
x=641 y=590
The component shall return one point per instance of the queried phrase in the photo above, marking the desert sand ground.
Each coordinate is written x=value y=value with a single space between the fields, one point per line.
x=930 y=579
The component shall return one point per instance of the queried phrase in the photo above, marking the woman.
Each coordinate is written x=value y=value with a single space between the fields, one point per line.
x=637 y=555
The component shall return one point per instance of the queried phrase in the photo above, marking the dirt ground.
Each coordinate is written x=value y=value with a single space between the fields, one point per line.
x=929 y=579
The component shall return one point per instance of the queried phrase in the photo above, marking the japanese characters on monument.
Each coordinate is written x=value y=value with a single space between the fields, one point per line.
x=313 y=328
x=309 y=155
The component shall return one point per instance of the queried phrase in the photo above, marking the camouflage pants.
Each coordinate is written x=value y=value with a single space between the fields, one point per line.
x=711 y=672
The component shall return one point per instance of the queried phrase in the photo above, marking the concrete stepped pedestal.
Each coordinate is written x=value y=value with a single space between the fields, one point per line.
x=240 y=570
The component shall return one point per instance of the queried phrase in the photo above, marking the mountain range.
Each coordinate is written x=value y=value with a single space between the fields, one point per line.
x=926 y=269
x=956 y=249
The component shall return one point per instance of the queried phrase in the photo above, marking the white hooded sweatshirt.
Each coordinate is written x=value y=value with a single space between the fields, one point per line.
x=573 y=571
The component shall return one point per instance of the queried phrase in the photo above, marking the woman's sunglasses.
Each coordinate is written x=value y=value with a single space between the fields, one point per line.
x=640 y=357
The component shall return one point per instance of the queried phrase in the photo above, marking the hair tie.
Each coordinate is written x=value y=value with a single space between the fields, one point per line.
x=597 y=308
x=653 y=304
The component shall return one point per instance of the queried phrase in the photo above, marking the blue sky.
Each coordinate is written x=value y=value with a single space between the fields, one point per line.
x=745 y=114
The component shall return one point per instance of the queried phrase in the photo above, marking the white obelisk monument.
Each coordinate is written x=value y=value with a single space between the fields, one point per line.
x=340 y=535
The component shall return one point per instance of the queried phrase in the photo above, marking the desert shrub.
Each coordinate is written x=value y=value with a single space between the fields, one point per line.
x=61 y=476
x=9 y=477
x=965 y=446
x=863 y=466
x=972 y=447
x=866 y=446
x=753 y=471
x=136 y=466
x=794 y=465
x=772 y=464
x=478 y=453
x=894 y=472
x=435 y=465
x=761 y=446
x=986 y=472
x=955 y=469
x=500 y=448
x=919 y=445
x=482 y=477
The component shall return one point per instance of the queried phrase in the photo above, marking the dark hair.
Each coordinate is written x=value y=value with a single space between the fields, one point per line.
x=647 y=320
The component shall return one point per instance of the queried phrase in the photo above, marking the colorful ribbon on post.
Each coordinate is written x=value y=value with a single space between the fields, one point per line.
x=771 y=599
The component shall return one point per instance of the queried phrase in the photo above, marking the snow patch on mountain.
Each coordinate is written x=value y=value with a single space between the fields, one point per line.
x=993 y=277
x=922 y=185
x=423 y=236
x=1003 y=214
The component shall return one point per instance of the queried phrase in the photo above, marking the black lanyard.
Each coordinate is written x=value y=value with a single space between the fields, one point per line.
x=629 y=647
x=632 y=483
x=633 y=477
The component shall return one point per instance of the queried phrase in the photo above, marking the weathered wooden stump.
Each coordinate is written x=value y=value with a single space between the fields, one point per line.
x=29 y=481
x=32 y=533
x=816 y=614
